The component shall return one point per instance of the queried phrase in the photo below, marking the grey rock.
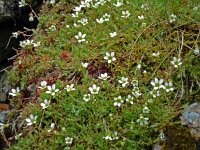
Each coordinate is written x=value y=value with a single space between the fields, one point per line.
x=4 y=88
x=191 y=118
x=3 y=116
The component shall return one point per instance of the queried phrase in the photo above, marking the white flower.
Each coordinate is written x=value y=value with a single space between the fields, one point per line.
x=196 y=51
x=15 y=92
x=94 y=89
x=104 y=76
x=129 y=99
x=168 y=87
x=45 y=104
x=118 y=4
x=144 y=24
x=52 y=28
x=52 y=126
x=52 y=90
x=113 y=34
x=76 y=25
x=146 y=110
x=80 y=37
x=106 y=17
x=83 y=21
x=110 y=57
x=155 y=54
x=125 y=14
x=155 y=93
x=69 y=88
x=176 y=62
x=142 y=120
x=141 y=17
x=123 y=81
x=86 y=97
x=22 y=3
x=68 y=140
x=77 y=9
x=15 y=34
x=18 y=136
x=118 y=101
x=74 y=15
x=43 y=85
x=52 y=2
x=144 y=6
x=157 y=84
x=134 y=82
x=102 y=2
x=31 y=18
x=31 y=120
x=172 y=18
x=26 y=43
x=85 y=65
x=136 y=92
x=85 y=4
x=139 y=66
x=108 y=137
x=36 y=44
x=100 y=21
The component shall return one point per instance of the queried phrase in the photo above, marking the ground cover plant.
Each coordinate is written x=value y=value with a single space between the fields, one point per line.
x=105 y=74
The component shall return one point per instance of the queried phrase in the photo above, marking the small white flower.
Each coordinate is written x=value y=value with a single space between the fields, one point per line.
x=102 y=2
x=52 y=2
x=196 y=50
x=110 y=57
x=106 y=17
x=45 y=104
x=145 y=110
x=142 y=120
x=15 y=92
x=68 y=140
x=125 y=14
x=26 y=43
x=100 y=21
x=144 y=6
x=168 y=87
x=77 y=9
x=52 y=90
x=84 y=65
x=52 y=28
x=118 y=4
x=104 y=76
x=155 y=93
x=43 y=85
x=83 y=21
x=36 y=44
x=139 y=66
x=15 y=34
x=22 y=3
x=155 y=54
x=129 y=99
x=134 y=82
x=31 y=120
x=172 y=18
x=108 y=138
x=69 y=88
x=113 y=34
x=86 y=97
x=75 y=15
x=141 y=17
x=136 y=92
x=18 y=136
x=157 y=84
x=118 y=101
x=94 y=89
x=176 y=62
x=85 y=4
x=80 y=37
x=76 y=25
x=123 y=81
x=31 y=18
x=52 y=126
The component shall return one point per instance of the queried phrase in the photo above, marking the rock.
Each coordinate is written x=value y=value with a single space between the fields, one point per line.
x=157 y=147
x=191 y=118
x=4 y=88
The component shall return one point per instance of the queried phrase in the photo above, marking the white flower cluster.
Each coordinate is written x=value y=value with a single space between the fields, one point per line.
x=111 y=136
x=29 y=43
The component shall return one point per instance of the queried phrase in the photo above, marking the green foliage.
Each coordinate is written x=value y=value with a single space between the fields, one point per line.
x=144 y=51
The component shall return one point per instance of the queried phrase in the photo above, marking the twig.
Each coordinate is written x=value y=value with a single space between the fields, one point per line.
x=5 y=68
